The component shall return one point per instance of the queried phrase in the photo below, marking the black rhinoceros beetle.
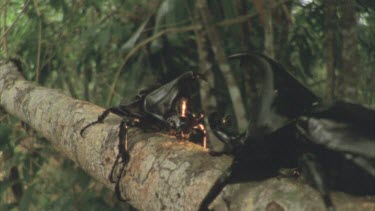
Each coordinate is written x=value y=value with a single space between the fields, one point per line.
x=333 y=146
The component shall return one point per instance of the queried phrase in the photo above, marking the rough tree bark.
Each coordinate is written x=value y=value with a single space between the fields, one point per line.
x=163 y=173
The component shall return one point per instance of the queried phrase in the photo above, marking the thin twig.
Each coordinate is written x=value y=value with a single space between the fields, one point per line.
x=316 y=83
x=165 y=26
x=287 y=13
x=269 y=48
x=4 y=23
x=39 y=40
x=3 y=6
x=15 y=21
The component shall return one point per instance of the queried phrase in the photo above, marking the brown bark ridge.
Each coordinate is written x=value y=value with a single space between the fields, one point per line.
x=163 y=173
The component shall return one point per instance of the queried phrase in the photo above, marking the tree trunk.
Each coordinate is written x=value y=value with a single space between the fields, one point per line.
x=219 y=53
x=329 y=22
x=349 y=73
x=245 y=27
x=268 y=30
x=208 y=100
x=163 y=173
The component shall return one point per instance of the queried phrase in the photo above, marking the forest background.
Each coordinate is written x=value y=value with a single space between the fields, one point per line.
x=105 y=51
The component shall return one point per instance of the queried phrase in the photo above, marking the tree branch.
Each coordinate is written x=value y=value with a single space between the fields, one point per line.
x=163 y=173
x=15 y=21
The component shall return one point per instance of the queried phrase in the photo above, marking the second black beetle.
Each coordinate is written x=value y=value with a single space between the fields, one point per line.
x=333 y=145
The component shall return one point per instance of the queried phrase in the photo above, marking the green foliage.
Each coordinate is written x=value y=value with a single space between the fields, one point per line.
x=48 y=181
x=83 y=45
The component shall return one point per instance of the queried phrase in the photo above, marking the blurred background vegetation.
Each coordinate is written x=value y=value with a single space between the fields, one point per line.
x=105 y=50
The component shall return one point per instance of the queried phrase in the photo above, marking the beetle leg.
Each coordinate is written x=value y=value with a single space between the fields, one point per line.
x=230 y=141
x=216 y=189
x=314 y=173
x=201 y=128
x=102 y=116
x=123 y=154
